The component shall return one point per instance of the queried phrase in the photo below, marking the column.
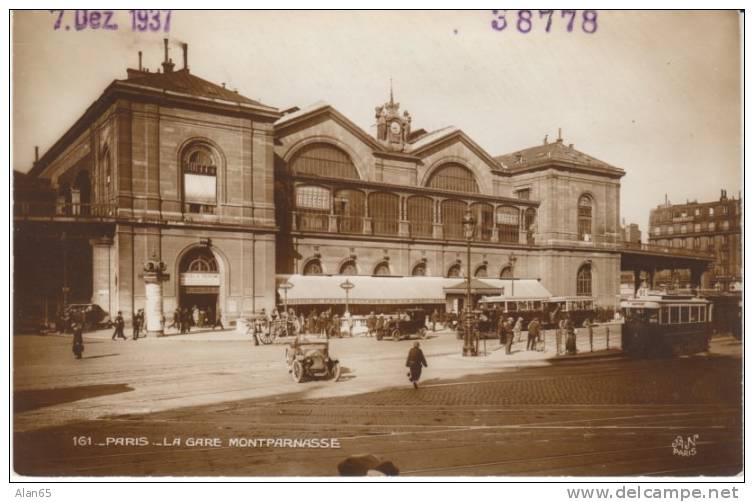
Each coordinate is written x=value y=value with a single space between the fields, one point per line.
x=102 y=271
x=367 y=220
x=403 y=224
x=437 y=232
x=154 y=276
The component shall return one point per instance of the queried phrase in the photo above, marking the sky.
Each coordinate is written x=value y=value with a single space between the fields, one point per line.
x=656 y=93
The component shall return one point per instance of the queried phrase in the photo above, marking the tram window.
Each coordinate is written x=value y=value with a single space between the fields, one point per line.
x=674 y=315
x=703 y=314
x=652 y=316
x=512 y=306
x=537 y=305
x=694 y=314
x=663 y=315
x=684 y=314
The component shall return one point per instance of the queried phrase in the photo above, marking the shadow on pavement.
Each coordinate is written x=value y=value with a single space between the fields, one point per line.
x=26 y=400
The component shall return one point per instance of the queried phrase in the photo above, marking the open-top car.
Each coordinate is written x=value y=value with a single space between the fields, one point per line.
x=405 y=324
x=310 y=358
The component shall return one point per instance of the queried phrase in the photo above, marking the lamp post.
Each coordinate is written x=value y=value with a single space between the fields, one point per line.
x=512 y=259
x=285 y=287
x=469 y=349
x=347 y=286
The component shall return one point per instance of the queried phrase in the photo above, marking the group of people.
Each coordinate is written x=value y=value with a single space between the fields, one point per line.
x=511 y=329
x=186 y=318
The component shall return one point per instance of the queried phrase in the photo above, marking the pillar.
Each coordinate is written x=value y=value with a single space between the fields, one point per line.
x=154 y=276
x=102 y=271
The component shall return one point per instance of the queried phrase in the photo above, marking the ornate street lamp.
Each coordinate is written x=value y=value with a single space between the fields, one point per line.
x=347 y=286
x=285 y=287
x=512 y=259
x=469 y=349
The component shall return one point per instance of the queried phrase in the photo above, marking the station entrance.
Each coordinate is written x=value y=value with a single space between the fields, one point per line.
x=200 y=285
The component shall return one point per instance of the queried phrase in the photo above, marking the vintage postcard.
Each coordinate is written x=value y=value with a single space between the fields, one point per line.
x=419 y=244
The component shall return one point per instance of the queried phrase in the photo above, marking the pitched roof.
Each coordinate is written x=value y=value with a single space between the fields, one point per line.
x=186 y=83
x=555 y=152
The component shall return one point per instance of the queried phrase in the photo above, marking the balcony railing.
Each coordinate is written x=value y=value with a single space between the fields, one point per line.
x=66 y=210
x=654 y=248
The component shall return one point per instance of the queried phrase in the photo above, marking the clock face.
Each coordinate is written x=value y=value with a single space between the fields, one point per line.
x=395 y=127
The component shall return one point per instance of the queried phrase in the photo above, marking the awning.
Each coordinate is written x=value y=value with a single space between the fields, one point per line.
x=478 y=287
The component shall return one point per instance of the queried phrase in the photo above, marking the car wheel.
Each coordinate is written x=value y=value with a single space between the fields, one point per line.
x=423 y=333
x=297 y=372
x=335 y=372
x=396 y=335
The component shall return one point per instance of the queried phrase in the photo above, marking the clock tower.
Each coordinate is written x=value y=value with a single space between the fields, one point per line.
x=393 y=128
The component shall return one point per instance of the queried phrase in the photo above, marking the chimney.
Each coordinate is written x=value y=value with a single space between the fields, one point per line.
x=36 y=154
x=185 y=56
x=140 y=61
x=167 y=65
x=560 y=135
x=546 y=141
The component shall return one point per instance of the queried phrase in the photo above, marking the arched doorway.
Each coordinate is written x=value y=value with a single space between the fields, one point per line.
x=200 y=282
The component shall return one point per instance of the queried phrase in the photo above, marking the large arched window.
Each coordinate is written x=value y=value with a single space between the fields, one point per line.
x=382 y=268
x=454 y=270
x=349 y=208
x=313 y=267
x=483 y=214
x=507 y=221
x=506 y=272
x=384 y=211
x=419 y=211
x=530 y=221
x=453 y=177
x=312 y=208
x=202 y=264
x=584 y=280
x=481 y=271
x=419 y=269
x=585 y=218
x=323 y=160
x=199 y=179
x=453 y=212
x=349 y=268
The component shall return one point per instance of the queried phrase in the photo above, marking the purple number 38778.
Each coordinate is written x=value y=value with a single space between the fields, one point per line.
x=525 y=20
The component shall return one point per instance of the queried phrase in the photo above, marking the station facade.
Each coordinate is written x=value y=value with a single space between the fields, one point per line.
x=234 y=196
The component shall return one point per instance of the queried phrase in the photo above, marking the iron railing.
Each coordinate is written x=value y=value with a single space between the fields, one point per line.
x=63 y=210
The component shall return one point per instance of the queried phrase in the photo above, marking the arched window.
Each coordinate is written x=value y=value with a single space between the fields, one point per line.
x=349 y=208
x=507 y=221
x=106 y=182
x=454 y=270
x=349 y=268
x=530 y=221
x=199 y=180
x=481 y=271
x=385 y=212
x=585 y=218
x=382 y=268
x=323 y=160
x=312 y=208
x=419 y=211
x=453 y=177
x=313 y=267
x=506 y=272
x=483 y=214
x=420 y=269
x=453 y=212
x=202 y=264
x=584 y=280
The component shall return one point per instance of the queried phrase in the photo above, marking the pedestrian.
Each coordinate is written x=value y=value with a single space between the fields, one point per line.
x=118 y=323
x=194 y=316
x=136 y=324
x=570 y=337
x=335 y=326
x=501 y=329
x=433 y=320
x=559 y=336
x=218 y=320
x=509 y=336
x=590 y=331
x=533 y=334
x=517 y=329
x=78 y=339
x=414 y=363
x=380 y=327
x=371 y=324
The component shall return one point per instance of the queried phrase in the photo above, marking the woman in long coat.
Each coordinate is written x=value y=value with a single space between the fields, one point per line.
x=414 y=362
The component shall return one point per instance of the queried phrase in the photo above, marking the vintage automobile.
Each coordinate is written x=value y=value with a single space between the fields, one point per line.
x=310 y=358
x=91 y=316
x=404 y=324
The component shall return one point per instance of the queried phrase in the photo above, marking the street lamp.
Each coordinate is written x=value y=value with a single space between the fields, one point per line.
x=512 y=259
x=468 y=231
x=285 y=287
x=347 y=286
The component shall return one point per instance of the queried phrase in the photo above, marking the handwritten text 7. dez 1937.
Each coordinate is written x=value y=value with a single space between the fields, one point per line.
x=140 y=20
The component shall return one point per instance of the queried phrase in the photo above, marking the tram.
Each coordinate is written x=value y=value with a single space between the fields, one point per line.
x=493 y=307
x=666 y=325
x=578 y=308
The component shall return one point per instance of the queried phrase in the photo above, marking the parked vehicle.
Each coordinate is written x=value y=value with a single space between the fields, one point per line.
x=405 y=324
x=308 y=359
x=90 y=315
x=666 y=325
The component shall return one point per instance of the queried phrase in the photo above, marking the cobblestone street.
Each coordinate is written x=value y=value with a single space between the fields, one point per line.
x=520 y=415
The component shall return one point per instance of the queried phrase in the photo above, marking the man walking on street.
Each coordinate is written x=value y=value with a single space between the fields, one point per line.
x=136 y=325
x=559 y=336
x=533 y=334
x=590 y=331
x=509 y=336
x=414 y=362
x=118 y=323
x=218 y=320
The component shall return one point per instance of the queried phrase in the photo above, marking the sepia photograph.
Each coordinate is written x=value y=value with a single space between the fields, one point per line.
x=480 y=244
